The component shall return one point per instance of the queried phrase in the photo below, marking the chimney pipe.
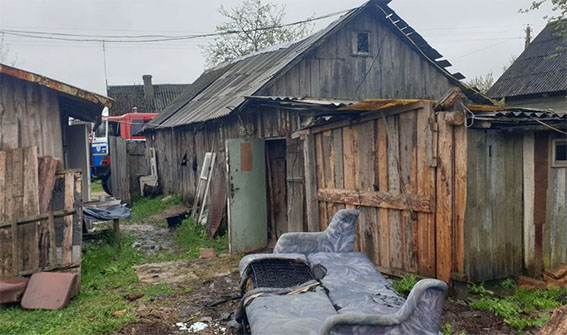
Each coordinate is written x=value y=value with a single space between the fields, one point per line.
x=528 y=37
x=148 y=87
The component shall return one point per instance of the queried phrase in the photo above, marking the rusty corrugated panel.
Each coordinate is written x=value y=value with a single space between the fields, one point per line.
x=217 y=205
x=55 y=85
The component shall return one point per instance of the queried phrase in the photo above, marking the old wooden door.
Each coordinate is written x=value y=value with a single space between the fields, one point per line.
x=247 y=213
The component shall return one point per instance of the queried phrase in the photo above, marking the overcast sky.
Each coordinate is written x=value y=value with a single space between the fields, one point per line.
x=476 y=36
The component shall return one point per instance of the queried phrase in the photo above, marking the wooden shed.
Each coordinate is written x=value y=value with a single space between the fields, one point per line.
x=442 y=195
x=44 y=164
x=370 y=52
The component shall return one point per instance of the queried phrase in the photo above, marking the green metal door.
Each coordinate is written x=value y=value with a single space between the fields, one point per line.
x=247 y=212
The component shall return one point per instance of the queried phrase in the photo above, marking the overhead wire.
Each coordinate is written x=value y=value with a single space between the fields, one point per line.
x=150 y=38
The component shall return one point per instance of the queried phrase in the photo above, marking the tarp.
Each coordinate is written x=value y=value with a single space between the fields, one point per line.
x=106 y=213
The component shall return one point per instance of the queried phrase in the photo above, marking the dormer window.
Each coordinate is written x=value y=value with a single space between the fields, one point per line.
x=361 y=43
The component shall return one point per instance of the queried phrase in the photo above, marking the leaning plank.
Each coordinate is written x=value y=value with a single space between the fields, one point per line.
x=419 y=203
x=5 y=234
x=460 y=198
x=47 y=170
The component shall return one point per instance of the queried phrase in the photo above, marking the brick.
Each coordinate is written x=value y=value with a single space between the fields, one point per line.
x=557 y=272
x=207 y=253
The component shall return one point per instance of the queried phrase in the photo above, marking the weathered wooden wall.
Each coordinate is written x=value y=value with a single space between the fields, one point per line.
x=391 y=70
x=400 y=172
x=494 y=216
x=129 y=161
x=30 y=242
x=29 y=116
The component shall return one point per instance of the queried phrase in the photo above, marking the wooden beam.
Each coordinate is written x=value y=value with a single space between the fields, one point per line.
x=368 y=116
x=37 y=218
x=529 y=198
x=386 y=200
x=455 y=118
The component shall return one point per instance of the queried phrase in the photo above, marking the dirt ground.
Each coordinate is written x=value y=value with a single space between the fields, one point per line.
x=210 y=291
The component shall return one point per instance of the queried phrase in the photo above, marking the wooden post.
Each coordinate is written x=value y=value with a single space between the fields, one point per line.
x=116 y=224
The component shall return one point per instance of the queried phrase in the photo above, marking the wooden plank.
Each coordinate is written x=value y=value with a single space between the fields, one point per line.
x=5 y=234
x=397 y=251
x=529 y=188
x=329 y=157
x=460 y=199
x=30 y=251
x=312 y=205
x=321 y=182
x=350 y=143
x=69 y=201
x=408 y=177
x=295 y=185
x=52 y=245
x=14 y=204
x=365 y=183
x=426 y=187
x=383 y=217
x=47 y=170
x=541 y=161
x=444 y=208
x=395 y=201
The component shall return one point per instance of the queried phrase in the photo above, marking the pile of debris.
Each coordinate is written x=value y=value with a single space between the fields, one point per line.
x=553 y=278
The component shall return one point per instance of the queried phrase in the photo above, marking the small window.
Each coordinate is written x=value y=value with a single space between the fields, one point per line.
x=361 y=43
x=559 y=152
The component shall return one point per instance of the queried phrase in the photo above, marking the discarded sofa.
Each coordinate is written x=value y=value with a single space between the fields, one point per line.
x=314 y=283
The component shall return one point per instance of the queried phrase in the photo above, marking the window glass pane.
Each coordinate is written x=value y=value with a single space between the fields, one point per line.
x=560 y=151
x=136 y=126
x=362 y=42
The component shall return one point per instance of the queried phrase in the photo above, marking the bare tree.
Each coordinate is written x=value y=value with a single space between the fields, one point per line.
x=5 y=54
x=482 y=83
x=559 y=7
x=250 y=27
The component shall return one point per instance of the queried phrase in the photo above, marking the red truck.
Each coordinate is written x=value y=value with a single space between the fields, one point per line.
x=126 y=126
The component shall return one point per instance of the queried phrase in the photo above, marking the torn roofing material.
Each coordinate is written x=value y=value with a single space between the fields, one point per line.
x=56 y=85
x=541 y=68
x=221 y=90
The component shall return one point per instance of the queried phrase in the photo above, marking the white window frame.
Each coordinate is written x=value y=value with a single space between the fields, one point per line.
x=555 y=163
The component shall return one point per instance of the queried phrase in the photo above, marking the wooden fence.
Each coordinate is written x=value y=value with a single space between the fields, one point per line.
x=406 y=172
x=129 y=162
x=40 y=225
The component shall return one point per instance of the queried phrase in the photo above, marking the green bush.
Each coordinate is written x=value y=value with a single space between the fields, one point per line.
x=405 y=285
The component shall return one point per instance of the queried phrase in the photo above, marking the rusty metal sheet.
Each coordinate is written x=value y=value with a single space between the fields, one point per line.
x=50 y=290
x=12 y=289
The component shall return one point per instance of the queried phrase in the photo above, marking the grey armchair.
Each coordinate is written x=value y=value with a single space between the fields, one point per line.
x=338 y=237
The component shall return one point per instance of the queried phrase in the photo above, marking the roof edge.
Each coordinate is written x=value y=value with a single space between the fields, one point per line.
x=56 y=85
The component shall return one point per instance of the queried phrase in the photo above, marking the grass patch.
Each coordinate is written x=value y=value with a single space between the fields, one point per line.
x=525 y=308
x=142 y=207
x=96 y=186
x=106 y=276
x=191 y=237
x=405 y=285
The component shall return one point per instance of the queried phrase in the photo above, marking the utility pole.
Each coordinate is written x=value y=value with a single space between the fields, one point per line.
x=105 y=72
x=528 y=36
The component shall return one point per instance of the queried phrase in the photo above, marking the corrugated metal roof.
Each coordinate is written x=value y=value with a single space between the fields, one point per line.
x=539 y=69
x=56 y=85
x=126 y=97
x=304 y=101
x=226 y=87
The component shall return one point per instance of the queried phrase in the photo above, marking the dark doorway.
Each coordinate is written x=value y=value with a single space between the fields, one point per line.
x=276 y=188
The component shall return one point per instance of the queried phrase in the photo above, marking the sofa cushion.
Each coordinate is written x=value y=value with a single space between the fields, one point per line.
x=355 y=286
x=301 y=314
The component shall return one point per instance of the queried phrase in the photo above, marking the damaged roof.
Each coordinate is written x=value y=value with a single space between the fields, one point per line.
x=224 y=89
x=541 y=68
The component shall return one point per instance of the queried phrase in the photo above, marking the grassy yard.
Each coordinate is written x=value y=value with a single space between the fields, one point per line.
x=106 y=277
x=96 y=186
